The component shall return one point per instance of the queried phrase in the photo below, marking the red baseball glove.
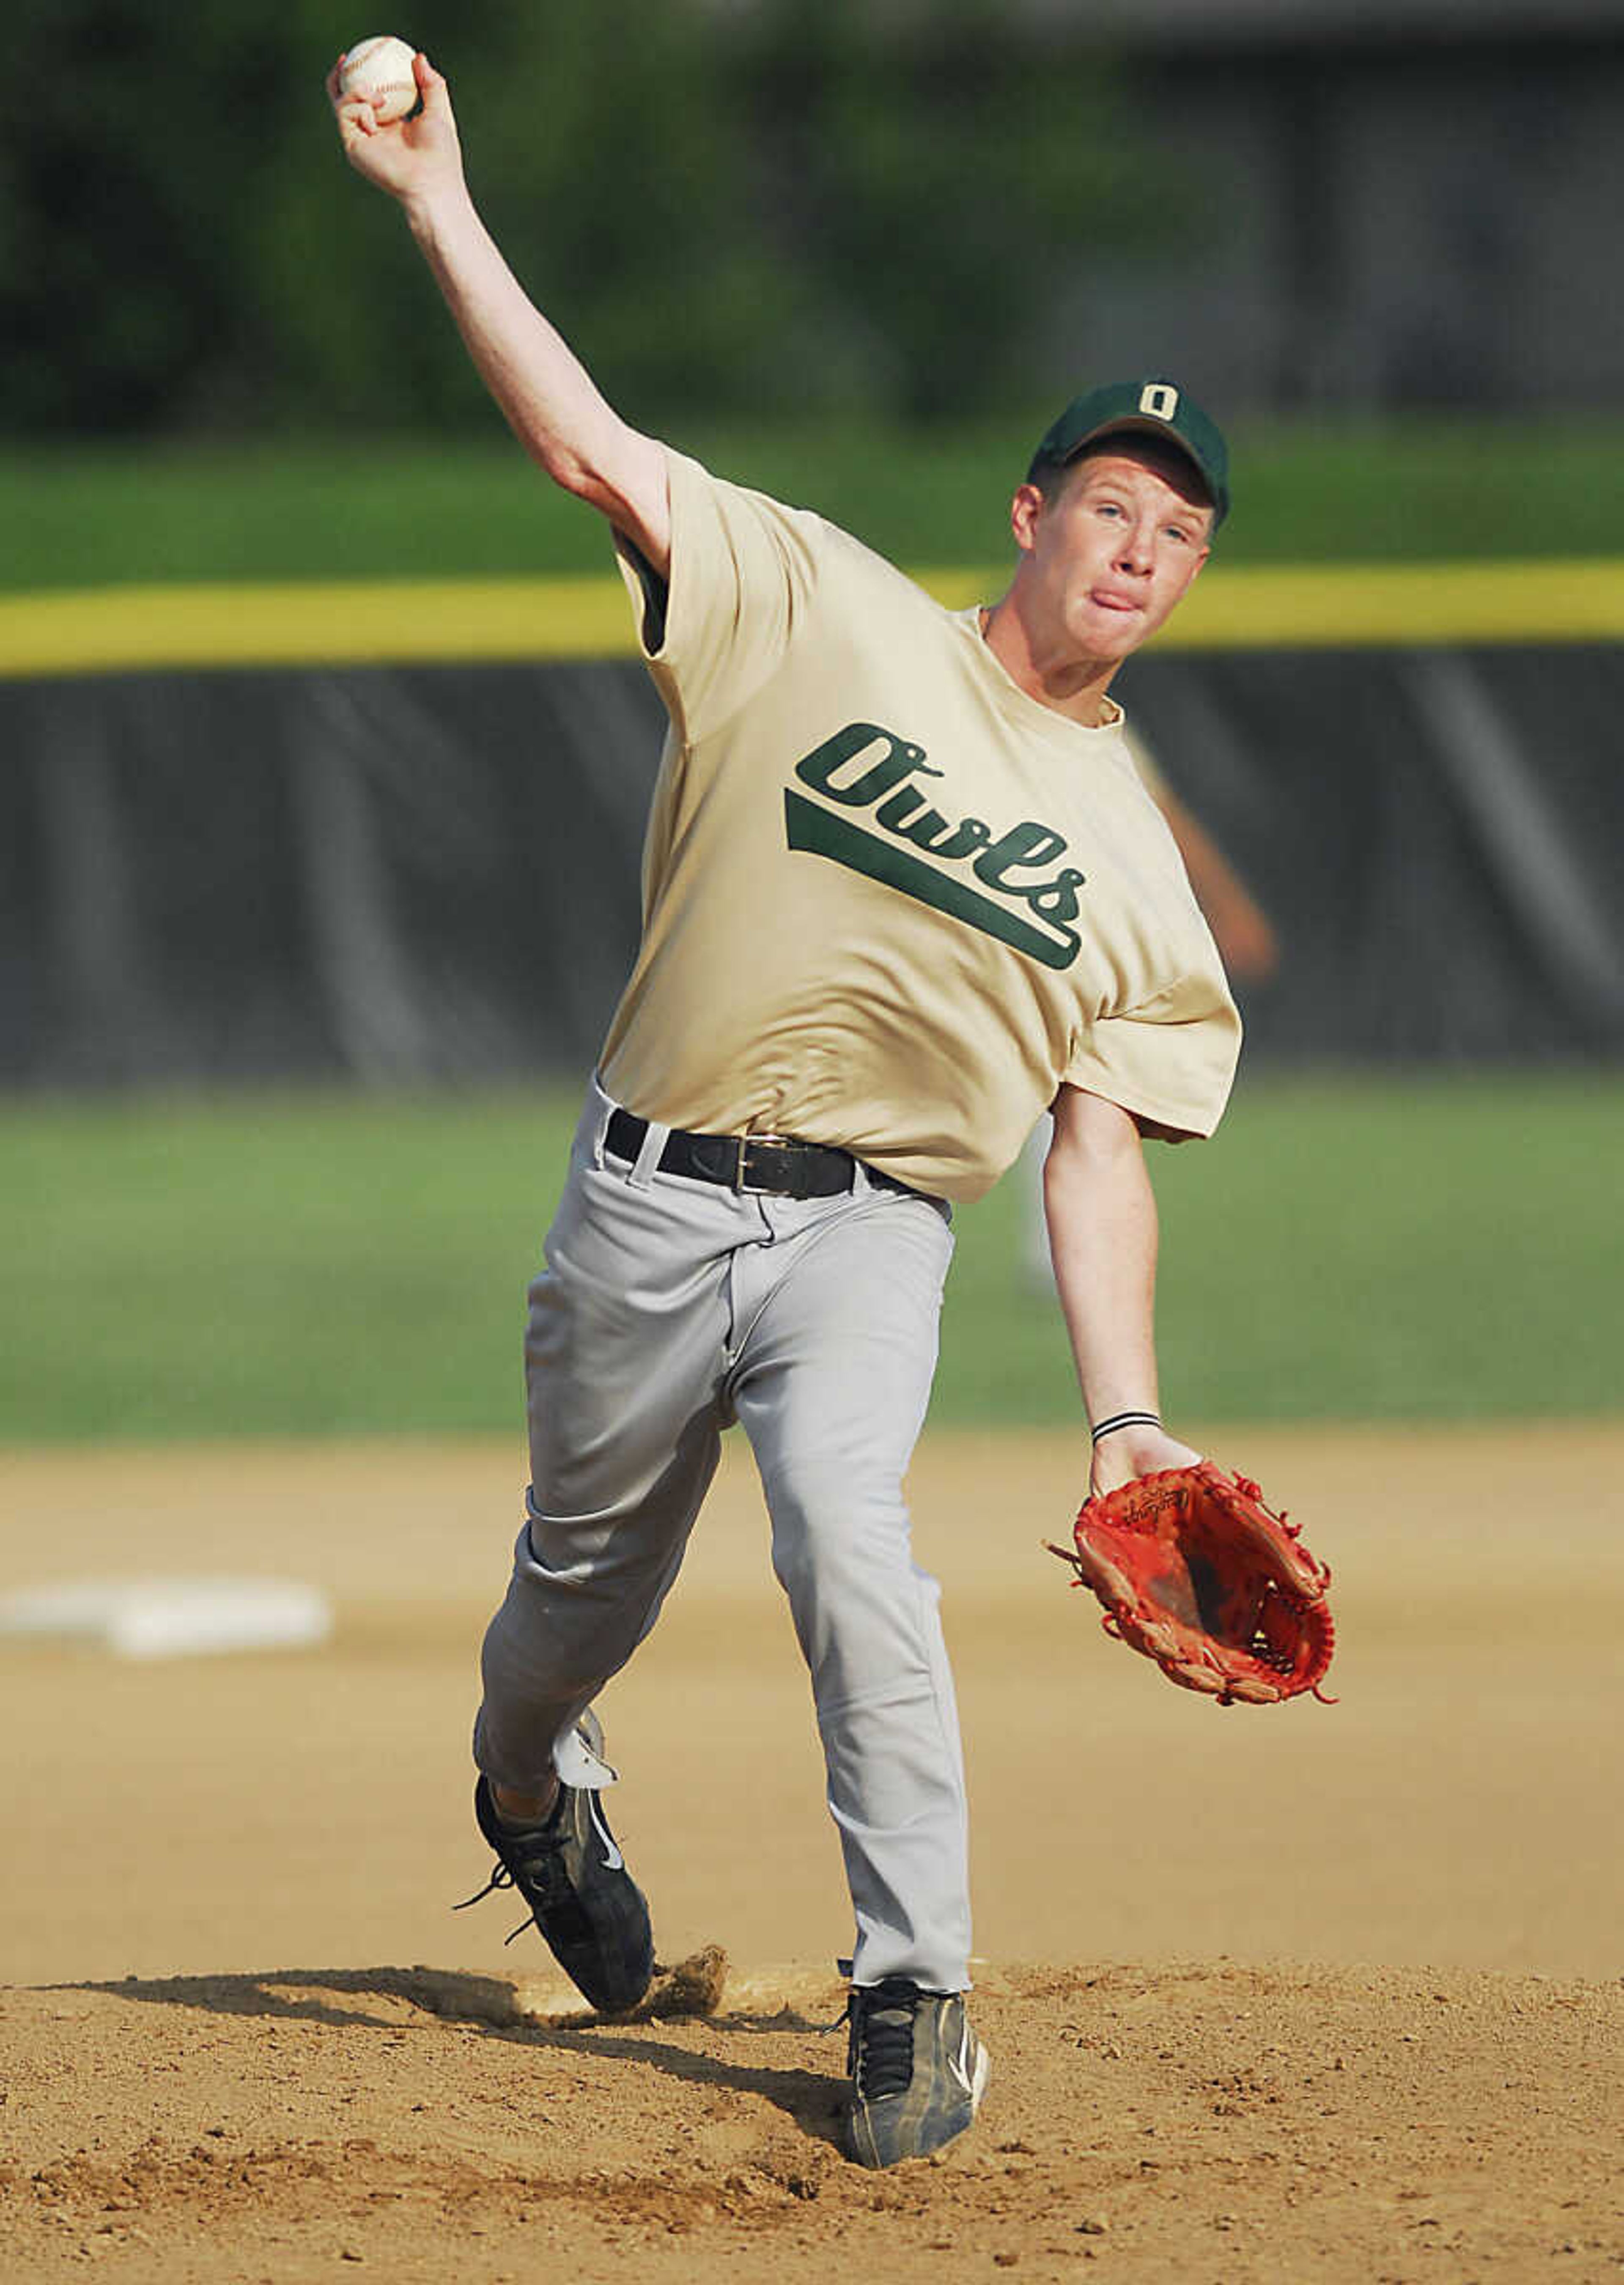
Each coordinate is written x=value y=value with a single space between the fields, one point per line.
x=1199 y=1573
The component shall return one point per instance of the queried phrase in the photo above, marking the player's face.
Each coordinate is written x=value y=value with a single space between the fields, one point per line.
x=1107 y=557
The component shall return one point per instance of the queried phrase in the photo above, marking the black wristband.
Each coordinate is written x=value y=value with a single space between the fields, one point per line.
x=1125 y=1421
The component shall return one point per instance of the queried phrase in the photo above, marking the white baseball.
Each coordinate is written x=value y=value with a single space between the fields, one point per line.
x=379 y=71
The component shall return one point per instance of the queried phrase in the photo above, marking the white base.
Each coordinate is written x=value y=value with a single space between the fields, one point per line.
x=172 y=1618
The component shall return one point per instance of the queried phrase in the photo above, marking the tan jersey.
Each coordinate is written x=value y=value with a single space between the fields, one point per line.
x=891 y=901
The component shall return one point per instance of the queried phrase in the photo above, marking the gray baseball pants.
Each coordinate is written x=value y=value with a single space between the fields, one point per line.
x=669 y=1308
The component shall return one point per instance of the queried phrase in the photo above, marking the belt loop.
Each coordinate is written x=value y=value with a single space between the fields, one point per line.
x=603 y=1110
x=642 y=1175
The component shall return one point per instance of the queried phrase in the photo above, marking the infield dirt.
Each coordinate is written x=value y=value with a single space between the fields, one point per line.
x=1295 y=1993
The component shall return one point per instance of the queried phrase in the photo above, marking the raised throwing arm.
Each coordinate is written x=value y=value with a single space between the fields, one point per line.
x=548 y=398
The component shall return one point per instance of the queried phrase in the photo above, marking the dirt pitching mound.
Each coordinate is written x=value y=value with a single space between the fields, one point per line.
x=1197 y=2121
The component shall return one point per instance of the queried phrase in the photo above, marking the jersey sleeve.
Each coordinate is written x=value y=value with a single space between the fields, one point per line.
x=1170 y=1062
x=742 y=569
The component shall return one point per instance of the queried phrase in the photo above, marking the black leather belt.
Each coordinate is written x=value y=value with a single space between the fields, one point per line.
x=775 y=1163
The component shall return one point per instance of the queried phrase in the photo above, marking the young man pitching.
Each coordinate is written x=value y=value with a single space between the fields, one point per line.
x=903 y=892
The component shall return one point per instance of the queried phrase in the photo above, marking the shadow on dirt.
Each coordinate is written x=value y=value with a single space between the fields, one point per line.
x=493 y=2007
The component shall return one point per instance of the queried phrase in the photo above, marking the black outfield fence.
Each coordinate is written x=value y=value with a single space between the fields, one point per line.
x=428 y=873
x=1435 y=834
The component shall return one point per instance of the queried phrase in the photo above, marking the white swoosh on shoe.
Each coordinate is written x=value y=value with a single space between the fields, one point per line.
x=973 y=2081
x=614 y=1861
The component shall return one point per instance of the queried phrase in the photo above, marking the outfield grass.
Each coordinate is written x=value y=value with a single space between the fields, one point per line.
x=304 y=1264
x=363 y=507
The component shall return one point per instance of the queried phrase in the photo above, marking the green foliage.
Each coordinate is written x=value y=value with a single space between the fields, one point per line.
x=781 y=209
x=1352 y=1249
x=134 y=144
x=931 y=171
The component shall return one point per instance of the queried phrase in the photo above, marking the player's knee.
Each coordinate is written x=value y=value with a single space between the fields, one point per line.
x=833 y=1532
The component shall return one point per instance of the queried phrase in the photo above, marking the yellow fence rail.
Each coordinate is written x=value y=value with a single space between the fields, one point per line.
x=356 y=624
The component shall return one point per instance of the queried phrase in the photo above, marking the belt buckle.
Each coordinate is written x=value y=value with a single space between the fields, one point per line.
x=745 y=1142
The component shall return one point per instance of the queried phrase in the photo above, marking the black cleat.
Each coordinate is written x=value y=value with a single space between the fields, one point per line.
x=589 y=1909
x=918 y=2071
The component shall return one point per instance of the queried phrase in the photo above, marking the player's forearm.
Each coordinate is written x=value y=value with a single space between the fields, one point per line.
x=548 y=398
x=544 y=392
x=1103 y=1235
x=1102 y=1229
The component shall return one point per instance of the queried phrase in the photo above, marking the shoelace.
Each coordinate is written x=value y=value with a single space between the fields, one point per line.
x=541 y=1868
x=881 y=2060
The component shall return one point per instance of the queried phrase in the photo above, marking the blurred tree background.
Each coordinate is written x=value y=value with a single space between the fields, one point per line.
x=800 y=207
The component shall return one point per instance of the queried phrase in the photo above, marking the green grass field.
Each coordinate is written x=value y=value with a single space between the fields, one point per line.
x=363 y=507
x=294 y=1265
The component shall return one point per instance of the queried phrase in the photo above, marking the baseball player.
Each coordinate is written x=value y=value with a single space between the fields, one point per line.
x=903 y=891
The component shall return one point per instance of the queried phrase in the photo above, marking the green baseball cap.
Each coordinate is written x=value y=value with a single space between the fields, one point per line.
x=1145 y=408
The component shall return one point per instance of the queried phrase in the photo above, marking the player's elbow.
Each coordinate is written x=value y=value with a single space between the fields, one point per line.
x=626 y=483
x=567 y=467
